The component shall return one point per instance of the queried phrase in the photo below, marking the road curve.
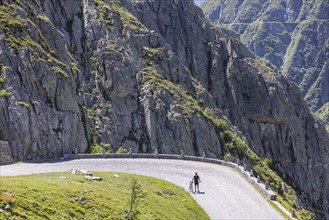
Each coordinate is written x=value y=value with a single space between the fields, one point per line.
x=227 y=195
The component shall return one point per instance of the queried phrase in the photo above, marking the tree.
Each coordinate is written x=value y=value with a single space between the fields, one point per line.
x=136 y=195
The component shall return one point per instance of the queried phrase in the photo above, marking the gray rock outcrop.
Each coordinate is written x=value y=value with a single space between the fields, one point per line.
x=5 y=153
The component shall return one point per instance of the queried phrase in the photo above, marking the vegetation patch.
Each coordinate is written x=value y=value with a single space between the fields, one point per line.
x=97 y=119
x=94 y=147
x=43 y=18
x=122 y=150
x=2 y=73
x=4 y=93
x=12 y=23
x=26 y=105
x=74 y=67
x=151 y=55
x=323 y=114
x=3 y=88
x=188 y=104
x=263 y=68
x=114 y=48
x=106 y=11
x=68 y=196
x=60 y=71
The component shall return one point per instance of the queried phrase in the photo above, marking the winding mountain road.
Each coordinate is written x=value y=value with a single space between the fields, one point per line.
x=227 y=195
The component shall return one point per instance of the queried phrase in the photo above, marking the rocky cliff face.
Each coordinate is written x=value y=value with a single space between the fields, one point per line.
x=151 y=75
x=323 y=114
x=292 y=35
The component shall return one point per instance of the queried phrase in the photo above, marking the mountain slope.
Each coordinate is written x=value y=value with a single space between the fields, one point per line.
x=323 y=114
x=293 y=35
x=152 y=75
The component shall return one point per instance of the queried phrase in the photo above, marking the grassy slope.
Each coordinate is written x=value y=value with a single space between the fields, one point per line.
x=47 y=196
x=323 y=114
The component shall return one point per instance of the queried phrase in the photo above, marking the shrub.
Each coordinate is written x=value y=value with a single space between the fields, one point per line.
x=94 y=148
x=135 y=196
x=4 y=93
x=121 y=150
x=268 y=161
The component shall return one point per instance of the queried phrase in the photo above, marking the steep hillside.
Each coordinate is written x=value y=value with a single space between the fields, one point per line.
x=293 y=35
x=323 y=114
x=152 y=75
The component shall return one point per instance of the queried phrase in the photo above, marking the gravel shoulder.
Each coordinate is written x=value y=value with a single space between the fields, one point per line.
x=225 y=193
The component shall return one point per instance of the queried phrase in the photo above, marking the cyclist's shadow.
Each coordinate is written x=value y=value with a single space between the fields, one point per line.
x=199 y=192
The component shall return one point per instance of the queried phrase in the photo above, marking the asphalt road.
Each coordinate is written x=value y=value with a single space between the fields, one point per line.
x=225 y=193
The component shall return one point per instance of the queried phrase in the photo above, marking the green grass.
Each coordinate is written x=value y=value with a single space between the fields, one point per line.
x=128 y=20
x=26 y=105
x=262 y=68
x=4 y=93
x=60 y=71
x=152 y=54
x=188 y=104
x=122 y=150
x=74 y=68
x=323 y=114
x=43 y=18
x=97 y=148
x=3 y=70
x=47 y=196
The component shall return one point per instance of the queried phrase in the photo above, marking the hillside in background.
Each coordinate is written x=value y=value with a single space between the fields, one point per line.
x=292 y=35
x=153 y=74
